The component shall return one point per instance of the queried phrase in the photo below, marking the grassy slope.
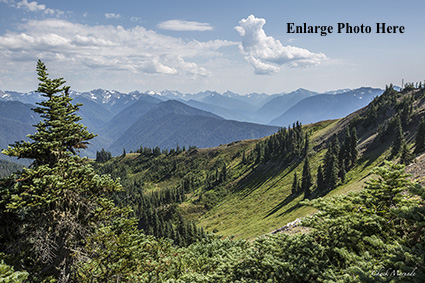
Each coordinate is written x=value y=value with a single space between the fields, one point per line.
x=264 y=202
x=260 y=200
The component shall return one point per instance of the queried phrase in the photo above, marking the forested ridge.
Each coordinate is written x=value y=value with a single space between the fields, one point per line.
x=148 y=216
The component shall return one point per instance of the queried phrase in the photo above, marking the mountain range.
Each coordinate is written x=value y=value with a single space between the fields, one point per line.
x=170 y=118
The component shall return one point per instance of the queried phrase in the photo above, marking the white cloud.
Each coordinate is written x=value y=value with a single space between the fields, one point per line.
x=179 y=25
x=105 y=47
x=33 y=6
x=135 y=19
x=266 y=54
x=112 y=16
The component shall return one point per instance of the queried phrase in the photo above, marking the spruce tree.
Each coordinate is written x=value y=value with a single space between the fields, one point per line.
x=420 y=137
x=331 y=169
x=320 y=183
x=243 y=157
x=306 y=145
x=223 y=173
x=307 y=180
x=59 y=200
x=353 y=146
x=295 y=186
x=405 y=154
x=398 y=139
x=346 y=149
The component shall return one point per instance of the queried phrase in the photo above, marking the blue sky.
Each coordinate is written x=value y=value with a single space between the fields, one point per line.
x=191 y=46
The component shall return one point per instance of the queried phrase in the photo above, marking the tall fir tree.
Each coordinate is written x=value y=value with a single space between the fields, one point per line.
x=405 y=154
x=307 y=180
x=59 y=200
x=398 y=138
x=306 y=145
x=295 y=187
x=244 y=157
x=353 y=146
x=346 y=149
x=320 y=182
x=420 y=137
x=331 y=169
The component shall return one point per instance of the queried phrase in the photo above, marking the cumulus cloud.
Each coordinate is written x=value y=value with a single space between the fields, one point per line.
x=106 y=47
x=266 y=54
x=112 y=16
x=33 y=6
x=179 y=25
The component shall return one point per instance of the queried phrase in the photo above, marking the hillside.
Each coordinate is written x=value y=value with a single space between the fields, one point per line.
x=93 y=114
x=326 y=106
x=18 y=111
x=218 y=110
x=280 y=104
x=244 y=188
x=124 y=119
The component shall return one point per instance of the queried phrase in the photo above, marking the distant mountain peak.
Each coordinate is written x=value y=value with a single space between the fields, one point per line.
x=301 y=89
x=337 y=91
x=229 y=93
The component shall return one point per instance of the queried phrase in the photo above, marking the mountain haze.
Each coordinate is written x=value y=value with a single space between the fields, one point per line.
x=126 y=120
x=281 y=103
x=16 y=122
x=173 y=123
x=327 y=106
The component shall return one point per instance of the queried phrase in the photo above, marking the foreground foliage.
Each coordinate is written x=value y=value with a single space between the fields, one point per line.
x=375 y=235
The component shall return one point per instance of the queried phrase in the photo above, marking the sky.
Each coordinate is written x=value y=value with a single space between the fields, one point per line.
x=192 y=46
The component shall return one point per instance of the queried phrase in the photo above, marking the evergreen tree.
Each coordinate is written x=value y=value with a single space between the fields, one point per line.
x=295 y=187
x=353 y=146
x=342 y=174
x=331 y=169
x=306 y=145
x=346 y=149
x=332 y=180
x=335 y=146
x=223 y=173
x=57 y=203
x=420 y=137
x=405 y=155
x=321 y=186
x=398 y=139
x=103 y=155
x=307 y=180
